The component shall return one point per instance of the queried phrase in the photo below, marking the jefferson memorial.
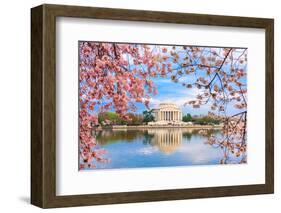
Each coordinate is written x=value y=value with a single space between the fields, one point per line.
x=167 y=114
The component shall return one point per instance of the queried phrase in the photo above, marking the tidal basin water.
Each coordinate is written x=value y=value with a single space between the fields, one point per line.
x=157 y=147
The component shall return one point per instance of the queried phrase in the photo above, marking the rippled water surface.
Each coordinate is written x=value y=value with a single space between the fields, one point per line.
x=156 y=148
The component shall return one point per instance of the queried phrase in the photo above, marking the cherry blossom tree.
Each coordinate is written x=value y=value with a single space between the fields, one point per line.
x=219 y=75
x=111 y=76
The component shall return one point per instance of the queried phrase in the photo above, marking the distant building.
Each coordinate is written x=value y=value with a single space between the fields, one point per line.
x=167 y=114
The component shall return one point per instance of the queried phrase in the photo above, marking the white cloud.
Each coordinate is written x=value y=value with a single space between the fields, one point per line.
x=199 y=152
x=180 y=98
x=149 y=150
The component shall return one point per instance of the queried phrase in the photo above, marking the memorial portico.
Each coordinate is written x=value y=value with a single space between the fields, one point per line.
x=168 y=112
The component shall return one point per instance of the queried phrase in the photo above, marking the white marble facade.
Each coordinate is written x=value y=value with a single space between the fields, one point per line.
x=167 y=113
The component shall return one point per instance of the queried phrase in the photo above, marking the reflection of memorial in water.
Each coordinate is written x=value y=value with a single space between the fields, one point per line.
x=167 y=140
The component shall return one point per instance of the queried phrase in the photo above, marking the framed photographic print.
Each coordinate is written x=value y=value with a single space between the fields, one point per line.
x=136 y=106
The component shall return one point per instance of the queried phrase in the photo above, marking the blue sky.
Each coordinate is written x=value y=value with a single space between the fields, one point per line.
x=169 y=91
x=172 y=92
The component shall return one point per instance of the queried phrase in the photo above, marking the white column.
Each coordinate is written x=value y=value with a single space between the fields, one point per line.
x=169 y=116
x=169 y=113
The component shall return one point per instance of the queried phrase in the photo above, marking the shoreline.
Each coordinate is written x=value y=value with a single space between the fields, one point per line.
x=121 y=127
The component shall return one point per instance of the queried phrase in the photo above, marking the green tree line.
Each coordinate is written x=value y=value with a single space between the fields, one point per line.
x=202 y=119
x=112 y=118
